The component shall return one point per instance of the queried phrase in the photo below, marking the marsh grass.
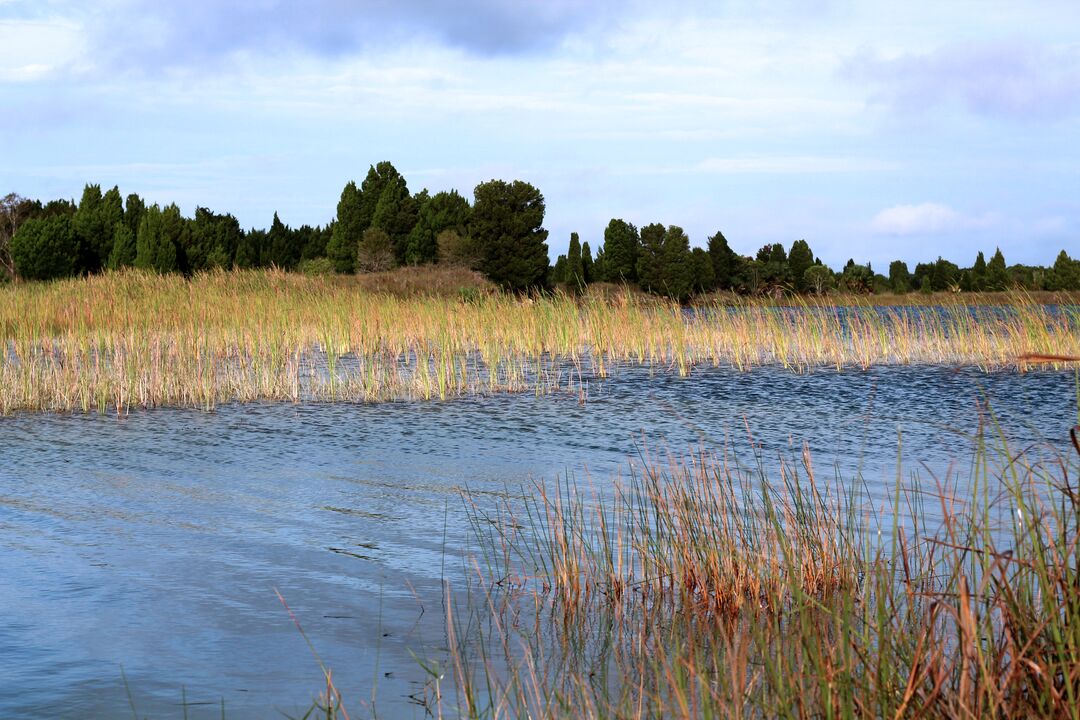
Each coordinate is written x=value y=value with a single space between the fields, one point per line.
x=701 y=587
x=127 y=340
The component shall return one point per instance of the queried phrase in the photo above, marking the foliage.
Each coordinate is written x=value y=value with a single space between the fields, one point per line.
x=621 y=248
x=376 y=251
x=507 y=226
x=45 y=248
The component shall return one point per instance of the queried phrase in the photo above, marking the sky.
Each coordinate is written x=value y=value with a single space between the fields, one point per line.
x=874 y=130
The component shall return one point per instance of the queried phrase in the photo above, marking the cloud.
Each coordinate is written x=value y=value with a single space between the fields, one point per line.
x=151 y=34
x=926 y=219
x=1010 y=80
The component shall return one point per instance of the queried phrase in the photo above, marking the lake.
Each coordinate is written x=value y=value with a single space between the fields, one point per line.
x=149 y=547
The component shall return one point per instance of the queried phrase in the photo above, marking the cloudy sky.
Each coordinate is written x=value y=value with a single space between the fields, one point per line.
x=873 y=130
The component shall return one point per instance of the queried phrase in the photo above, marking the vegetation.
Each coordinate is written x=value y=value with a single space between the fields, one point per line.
x=381 y=224
x=129 y=339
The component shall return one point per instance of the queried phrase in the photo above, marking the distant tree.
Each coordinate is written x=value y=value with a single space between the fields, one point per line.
x=650 y=262
x=575 y=273
x=944 y=276
x=507 y=227
x=124 y=248
x=1065 y=274
x=348 y=230
x=724 y=261
x=376 y=251
x=14 y=211
x=283 y=247
x=214 y=241
x=997 y=275
x=443 y=211
x=818 y=279
x=457 y=249
x=313 y=241
x=161 y=235
x=134 y=209
x=587 y=266
x=799 y=260
x=558 y=271
x=396 y=214
x=857 y=278
x=978 y=273
x=45 y=248
x=621 y=249
x=599 y=271
x=899 y=277
x=678 y=265
x=704 y=277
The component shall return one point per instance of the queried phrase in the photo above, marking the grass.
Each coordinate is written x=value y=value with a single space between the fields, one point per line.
x=706 y=588
x=127 y=340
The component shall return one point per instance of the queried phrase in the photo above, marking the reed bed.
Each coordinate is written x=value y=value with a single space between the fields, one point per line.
x=127 y=340
x=706 y=588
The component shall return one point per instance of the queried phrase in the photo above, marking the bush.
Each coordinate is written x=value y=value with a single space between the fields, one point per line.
x=45 y=248
x=317 y=266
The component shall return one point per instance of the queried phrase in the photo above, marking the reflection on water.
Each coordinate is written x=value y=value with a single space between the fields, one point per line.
x=155 y=542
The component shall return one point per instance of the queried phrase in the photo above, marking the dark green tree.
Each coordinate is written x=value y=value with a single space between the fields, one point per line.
x=376 y=251
x=124 y=248
x=348 y=229
x=161 y=235
x=818 y=279
x=587 y=266
x=650 y=263
x=134 y=208
x=997 y=275
x=1065 y=274
x=46 y=248
x=724 y=261
x=621 y=248
x=283 y=246
x=395 y=214
x=678 y=265
x=799 y=259
x=978 y=273
x=558 y=271
x=945 y=275
x=507 y=228
x=575 y=273
x=443 y=211
x=250 y=250
x=899 y=277
x=704 y=278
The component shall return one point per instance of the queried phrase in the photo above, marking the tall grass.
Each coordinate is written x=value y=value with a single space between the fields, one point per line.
x=124 y=340
x=706 y=588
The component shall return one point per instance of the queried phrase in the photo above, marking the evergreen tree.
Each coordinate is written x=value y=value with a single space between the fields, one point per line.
x=161 y=235
x=443 y=211
x=587 y=265
x=799 y=260
x=91 y=229
x=678 y=265
x=621 y=249
x=507 y=227
x=1065 y=274
x=899 y=277
x=124 y=248
x=599 y=271
x=704 y=278
x=558 y=272
x=650 y=263
x=282 y=246
x=348 y=229
x=134 y=208
x=45 y=248
x=395 y=214
x=723 y=260
x=250 y=249
x=997 y=276
x=944 y=275
x=575 y=274
x=978 y=273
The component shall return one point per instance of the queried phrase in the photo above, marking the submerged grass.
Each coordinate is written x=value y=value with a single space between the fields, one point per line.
x=705 y=588
x=126 y=340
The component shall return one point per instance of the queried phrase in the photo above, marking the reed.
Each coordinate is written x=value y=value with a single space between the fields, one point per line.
x=126 y=340
x=708 y=588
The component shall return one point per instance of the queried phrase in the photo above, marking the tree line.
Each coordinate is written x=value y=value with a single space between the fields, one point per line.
x=380 y=225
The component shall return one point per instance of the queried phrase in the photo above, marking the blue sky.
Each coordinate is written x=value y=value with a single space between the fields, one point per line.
x=872 y=130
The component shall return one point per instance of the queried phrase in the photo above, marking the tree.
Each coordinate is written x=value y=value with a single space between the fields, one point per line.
x=587 y=266
x=857 y=278
x=348 y=229
x=45 y=248
x=558 y=271
x=457 y=249
x=978 y=273
x=899 y=277
x=507 y=226
x=124 y=248
x=443 y=211
x=621 y=249
x=14 y=211
x=282 y=246
x=944 y=275
x=997 y=275
x=799 y=260
x=703 y=270
x=1065 y=274
x=396 y=214
x=161 y=235
x=678 y=265
x=575 y=273
x=650 y=263
x=214 y=241
x=723 y=261
x=134 y=209
x=376 y=251
x=818 y=278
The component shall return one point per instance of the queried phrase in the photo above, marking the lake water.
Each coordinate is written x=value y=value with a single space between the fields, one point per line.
x=149 y=547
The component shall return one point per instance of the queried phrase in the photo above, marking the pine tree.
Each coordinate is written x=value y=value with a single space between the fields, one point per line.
x=587 y=265
x=799 y=260
x=997 y=275
x=678 y=265
x=443 y=211
x=650 y=262
x=575 y=274
x=622 y=245
x=348 y=229
x=723 y=261
x=978 y=273
x=124 y=249
x=506 y=226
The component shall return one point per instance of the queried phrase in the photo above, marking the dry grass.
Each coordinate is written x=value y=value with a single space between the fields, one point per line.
x=119 y=341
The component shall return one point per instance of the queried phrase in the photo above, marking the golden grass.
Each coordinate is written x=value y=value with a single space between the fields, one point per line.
x=118 y=341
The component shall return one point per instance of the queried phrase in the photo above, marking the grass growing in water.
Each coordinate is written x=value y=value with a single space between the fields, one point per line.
x=704 y=588
x=118 y=341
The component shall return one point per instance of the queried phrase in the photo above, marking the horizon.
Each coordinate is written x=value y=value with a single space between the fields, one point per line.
x=873 y=132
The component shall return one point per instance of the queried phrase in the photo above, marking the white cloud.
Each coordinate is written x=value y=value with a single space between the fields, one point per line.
x=925 y=219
